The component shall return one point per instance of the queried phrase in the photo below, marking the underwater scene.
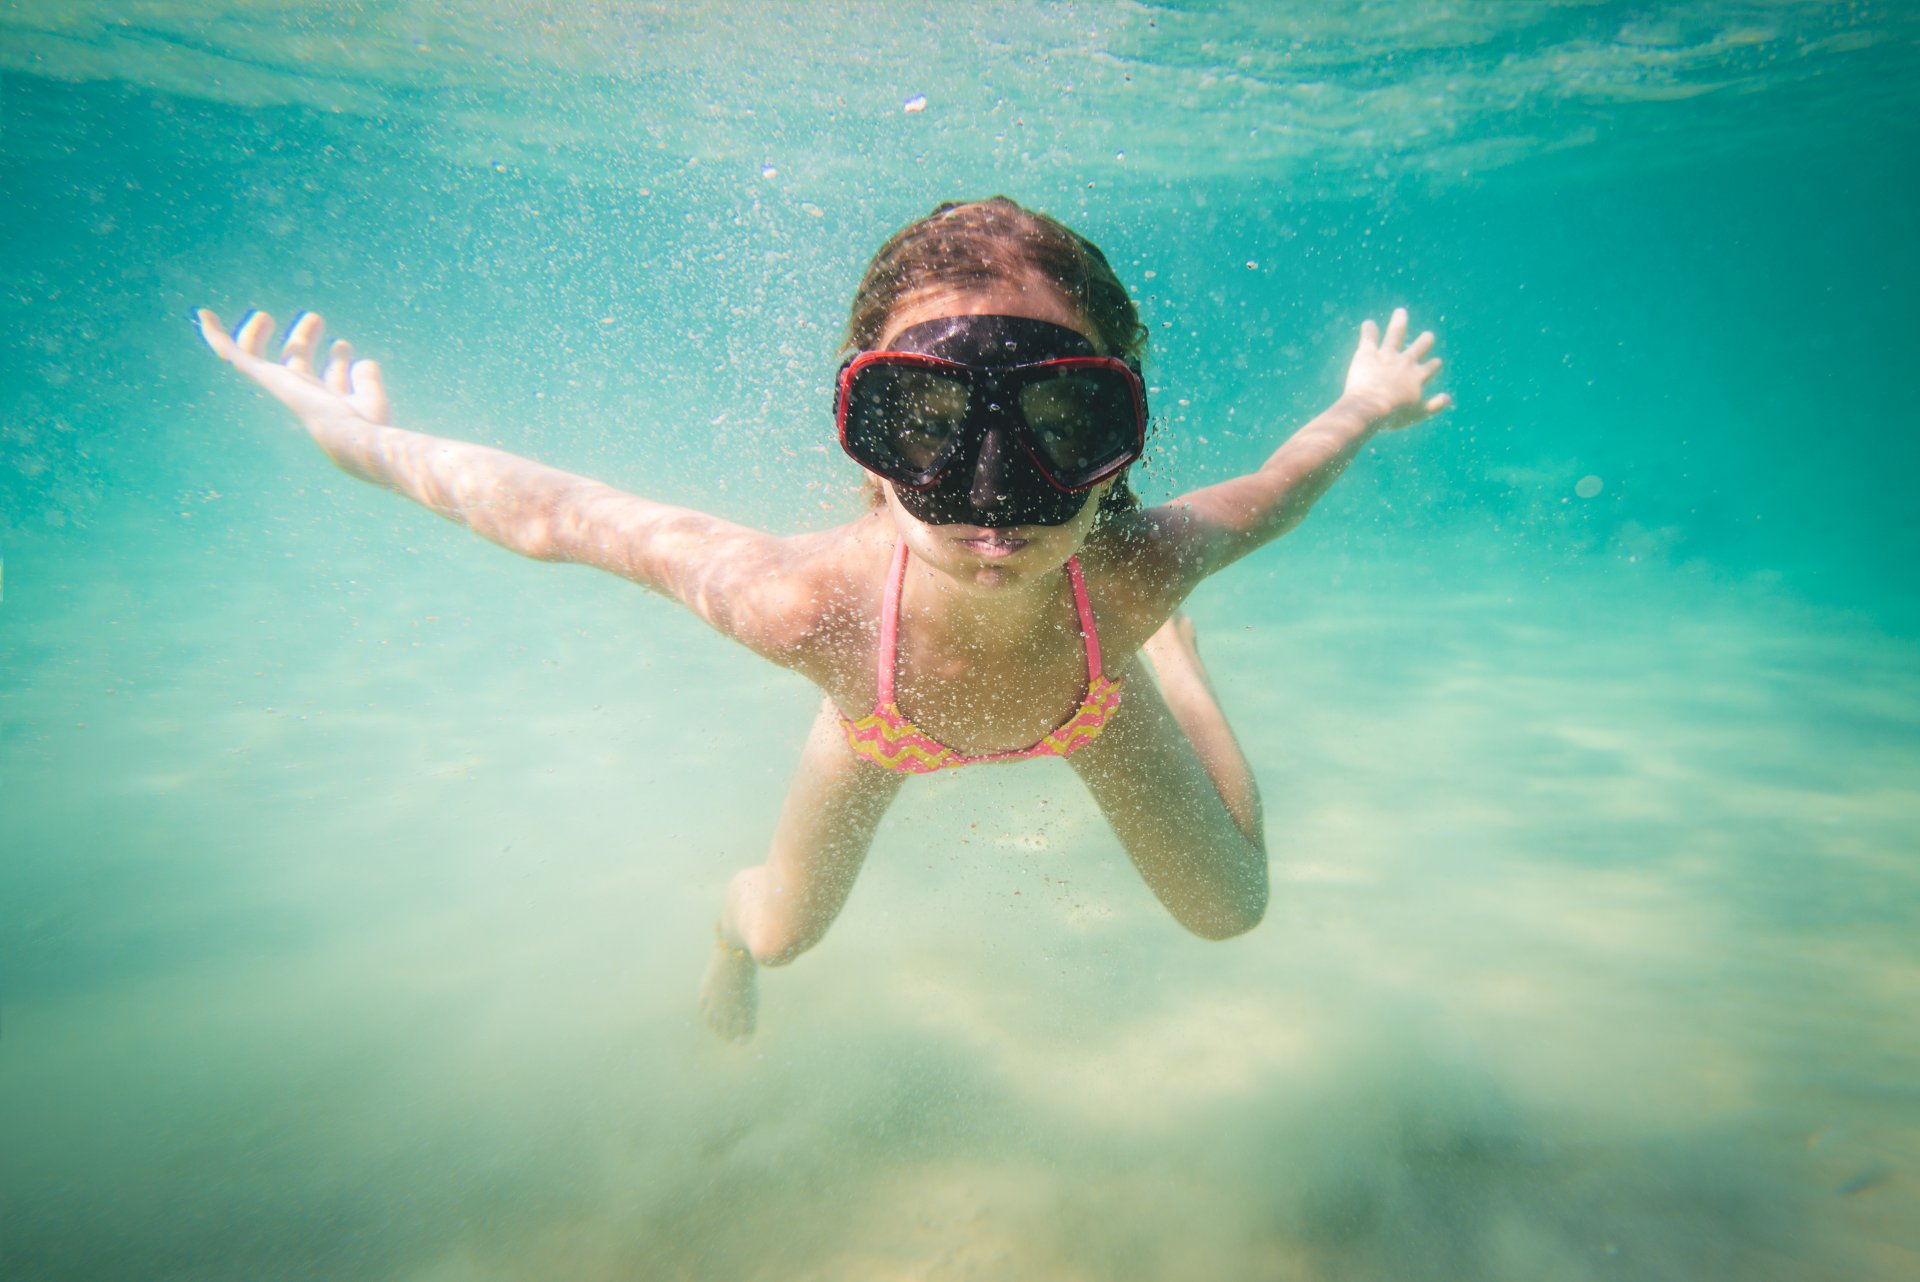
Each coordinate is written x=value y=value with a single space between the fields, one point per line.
x=357 y=877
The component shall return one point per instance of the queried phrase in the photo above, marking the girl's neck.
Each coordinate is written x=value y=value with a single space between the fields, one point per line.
x=996 y=616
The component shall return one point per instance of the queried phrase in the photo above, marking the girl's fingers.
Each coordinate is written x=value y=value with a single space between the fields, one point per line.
x=1396 y=329
x=1369 y=333
x=1421 y=345
x=214 y=333
x=369 y=396
x=1437 y=403
x=303 y=337
x=253 y=333
x=1429 y=368
x=339 y=366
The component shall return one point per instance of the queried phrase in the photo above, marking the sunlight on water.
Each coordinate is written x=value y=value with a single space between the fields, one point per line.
x=358 y=877
x=1335 y=97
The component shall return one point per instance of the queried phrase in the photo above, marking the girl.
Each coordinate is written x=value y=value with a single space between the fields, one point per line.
x=993 y=603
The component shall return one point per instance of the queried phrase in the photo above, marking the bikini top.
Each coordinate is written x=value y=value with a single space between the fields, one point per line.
x=885 y=737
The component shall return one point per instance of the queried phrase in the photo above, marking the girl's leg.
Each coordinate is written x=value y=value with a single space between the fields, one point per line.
x=1190 y=697
x=777 y=910
x=1201 y=853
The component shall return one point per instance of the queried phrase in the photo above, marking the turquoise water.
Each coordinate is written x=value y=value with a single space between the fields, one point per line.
x=356 y=878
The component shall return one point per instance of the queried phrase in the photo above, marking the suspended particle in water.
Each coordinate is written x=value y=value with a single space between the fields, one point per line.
x=916 y=103
x=1588 y=486
x=767 y=170
x=1253 y=265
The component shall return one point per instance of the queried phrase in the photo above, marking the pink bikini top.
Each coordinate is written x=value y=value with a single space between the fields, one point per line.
x=887 y=738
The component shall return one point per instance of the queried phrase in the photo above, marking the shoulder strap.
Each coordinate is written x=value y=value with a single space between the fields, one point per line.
x=890 y=622
x=1087 y=631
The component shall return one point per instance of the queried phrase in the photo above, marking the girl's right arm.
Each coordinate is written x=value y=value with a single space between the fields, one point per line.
x=741 y=581
x=1204 y=531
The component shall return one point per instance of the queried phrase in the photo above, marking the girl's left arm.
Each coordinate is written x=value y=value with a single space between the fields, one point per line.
x=1209 y=529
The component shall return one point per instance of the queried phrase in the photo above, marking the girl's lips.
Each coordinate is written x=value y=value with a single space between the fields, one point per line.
x=992 y=546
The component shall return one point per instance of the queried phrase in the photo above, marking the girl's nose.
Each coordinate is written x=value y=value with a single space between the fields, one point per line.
x=989 y=489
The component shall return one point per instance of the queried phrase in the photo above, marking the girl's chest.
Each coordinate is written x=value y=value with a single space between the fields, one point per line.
x=990 y=700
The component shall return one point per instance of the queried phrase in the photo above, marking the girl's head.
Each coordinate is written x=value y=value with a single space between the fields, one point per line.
x=993 y=258
x=970 y=245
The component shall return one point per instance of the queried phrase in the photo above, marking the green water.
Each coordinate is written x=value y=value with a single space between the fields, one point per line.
x=356 y=878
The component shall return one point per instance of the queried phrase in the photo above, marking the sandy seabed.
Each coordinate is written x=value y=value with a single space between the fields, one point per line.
x=363 y=942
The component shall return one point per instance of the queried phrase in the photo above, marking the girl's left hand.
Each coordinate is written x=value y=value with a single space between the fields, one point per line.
x=1387 y=382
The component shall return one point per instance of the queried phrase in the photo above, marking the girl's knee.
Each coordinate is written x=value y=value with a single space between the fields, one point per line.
x=774 y=946
x=1229 y=914
x=768 y=923
x=1229 y=922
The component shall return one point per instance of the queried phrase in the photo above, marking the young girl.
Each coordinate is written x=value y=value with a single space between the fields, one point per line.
x=992 y=605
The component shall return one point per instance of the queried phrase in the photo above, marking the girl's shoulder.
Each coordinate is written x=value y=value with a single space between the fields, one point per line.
x=1129 y=549
x=846 y=553
x=1133 y=572
x=826 y=586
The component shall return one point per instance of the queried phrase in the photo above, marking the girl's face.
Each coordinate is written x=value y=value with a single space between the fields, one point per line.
x=1004 y=554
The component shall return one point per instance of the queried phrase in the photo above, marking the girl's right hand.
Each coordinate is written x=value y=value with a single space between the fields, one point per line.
x=347 y=393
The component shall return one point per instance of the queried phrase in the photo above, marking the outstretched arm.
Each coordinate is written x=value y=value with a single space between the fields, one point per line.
x=1386 y=390
x=722 y=571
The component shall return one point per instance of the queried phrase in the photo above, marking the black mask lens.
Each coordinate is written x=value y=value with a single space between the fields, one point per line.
x=1081 y=422
x=903 y=422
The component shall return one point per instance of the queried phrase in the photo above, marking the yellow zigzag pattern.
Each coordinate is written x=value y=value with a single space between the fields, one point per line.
x=885 y=737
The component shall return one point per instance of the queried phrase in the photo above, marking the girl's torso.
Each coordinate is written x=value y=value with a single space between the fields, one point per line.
x=889 y=737
x=977 y=692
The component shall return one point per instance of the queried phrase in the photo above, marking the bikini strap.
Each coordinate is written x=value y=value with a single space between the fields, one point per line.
x=890 y=623
x=1087 y=631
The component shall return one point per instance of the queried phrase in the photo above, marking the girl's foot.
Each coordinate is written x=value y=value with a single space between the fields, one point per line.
x=728 y=996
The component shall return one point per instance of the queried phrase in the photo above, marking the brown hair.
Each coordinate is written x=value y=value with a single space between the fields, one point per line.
x=967 y=244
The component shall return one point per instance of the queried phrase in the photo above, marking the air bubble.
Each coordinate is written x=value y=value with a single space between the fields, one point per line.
x=916 y=103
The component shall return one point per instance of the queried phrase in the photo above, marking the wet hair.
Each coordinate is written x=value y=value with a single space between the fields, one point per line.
x=970 y=244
